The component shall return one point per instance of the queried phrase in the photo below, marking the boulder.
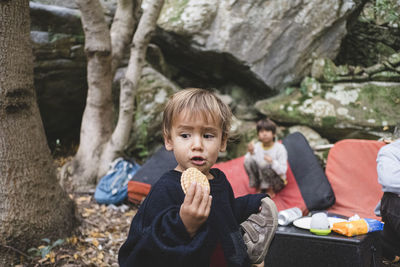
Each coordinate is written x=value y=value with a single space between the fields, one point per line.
x=152 y=95
x=273 y=39
x=373 y=34
x=59 y=70
x=338 y=111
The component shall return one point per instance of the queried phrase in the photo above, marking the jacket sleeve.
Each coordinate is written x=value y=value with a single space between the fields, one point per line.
x=157 y=236
x=279 y=165
x=246 y=205
x=388 y=168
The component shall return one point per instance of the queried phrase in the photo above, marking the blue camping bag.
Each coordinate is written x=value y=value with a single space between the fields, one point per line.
x=113 y=187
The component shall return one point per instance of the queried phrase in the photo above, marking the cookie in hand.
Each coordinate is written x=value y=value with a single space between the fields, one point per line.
x=193 y=175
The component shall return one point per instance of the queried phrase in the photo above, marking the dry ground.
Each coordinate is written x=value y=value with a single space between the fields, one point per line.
x=97 y=240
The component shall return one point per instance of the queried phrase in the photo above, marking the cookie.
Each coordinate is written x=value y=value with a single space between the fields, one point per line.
x=192 y=174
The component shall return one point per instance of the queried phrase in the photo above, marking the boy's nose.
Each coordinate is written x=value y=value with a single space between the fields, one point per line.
x=197 y=143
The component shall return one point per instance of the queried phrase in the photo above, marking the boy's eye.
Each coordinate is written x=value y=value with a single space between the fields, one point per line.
x=207 y=136
x=184 y=135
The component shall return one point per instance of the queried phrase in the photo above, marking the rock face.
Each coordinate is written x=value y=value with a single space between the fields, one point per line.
x=372 y=35
x=60 y=70
x=273 y=39
x=153 y=93
x=333 y=102
x=246 y=50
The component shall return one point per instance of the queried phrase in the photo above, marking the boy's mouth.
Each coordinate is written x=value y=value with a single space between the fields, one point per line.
x=197 y=160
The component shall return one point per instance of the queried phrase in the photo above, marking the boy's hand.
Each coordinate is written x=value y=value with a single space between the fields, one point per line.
x=195 y=208
x=250 y=148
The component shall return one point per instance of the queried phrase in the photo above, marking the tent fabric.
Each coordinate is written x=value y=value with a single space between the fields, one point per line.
x=162 y=161
x=310 y=176
x=351 y=170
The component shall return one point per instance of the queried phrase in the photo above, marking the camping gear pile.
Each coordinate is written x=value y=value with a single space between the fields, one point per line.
x=113 y=187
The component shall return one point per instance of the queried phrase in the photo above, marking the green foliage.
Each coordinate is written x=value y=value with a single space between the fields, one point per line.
x=303 y=87
x=388 y=9
x=307 y=85
x=328 y=121
x=179 y=8
x=42 y=251
x=289 y=90
x=141 y=144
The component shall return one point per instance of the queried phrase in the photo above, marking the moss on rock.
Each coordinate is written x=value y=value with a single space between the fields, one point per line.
x=357 y=107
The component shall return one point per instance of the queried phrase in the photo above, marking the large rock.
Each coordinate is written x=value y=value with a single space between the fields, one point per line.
x=273 y=39
x=153 y=93
x=244 y=49
x=341 y=110
x=373 y=35
x=60 y=70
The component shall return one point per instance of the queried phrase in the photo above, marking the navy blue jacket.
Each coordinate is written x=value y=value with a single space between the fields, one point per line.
x=157 y=236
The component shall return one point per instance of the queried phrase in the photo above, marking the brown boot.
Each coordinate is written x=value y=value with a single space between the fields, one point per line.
x=259 y=230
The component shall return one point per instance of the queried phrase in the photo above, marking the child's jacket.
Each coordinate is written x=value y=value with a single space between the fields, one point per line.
x=157 y=236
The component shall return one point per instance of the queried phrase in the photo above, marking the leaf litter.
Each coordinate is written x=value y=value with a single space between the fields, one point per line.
x=96 y=242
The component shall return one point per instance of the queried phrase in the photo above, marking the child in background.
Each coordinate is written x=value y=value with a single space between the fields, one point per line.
x=266 y=161
x=201 y=228
x=388 y=169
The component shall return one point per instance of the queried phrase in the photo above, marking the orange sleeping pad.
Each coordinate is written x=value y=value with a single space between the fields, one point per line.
x=137 y=191
x=351 y=170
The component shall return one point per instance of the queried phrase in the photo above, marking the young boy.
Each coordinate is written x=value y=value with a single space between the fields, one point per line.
x=200 y=228
x=266 y=161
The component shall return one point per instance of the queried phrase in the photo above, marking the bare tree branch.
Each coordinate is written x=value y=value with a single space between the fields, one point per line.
x=97 y=120
x=99 y=144
x=122 y=28
x=16 y=250
x=129 y=84
x=97 y=35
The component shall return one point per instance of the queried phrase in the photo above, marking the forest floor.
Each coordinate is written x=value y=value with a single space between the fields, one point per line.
x=96 y=241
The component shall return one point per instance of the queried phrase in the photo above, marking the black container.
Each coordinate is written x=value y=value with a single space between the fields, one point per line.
x=293 y=246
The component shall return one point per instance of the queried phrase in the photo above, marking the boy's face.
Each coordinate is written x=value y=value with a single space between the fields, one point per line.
x=266 y=137
x=195 y=142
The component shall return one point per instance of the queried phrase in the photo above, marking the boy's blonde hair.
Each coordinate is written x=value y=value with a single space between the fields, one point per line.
x=196 y=102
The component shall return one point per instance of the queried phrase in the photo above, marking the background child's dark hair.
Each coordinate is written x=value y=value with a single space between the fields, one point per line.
x=266 y=124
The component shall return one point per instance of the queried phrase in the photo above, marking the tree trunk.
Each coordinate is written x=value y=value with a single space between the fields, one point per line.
x=97 y=120
x=100 y=143
x=32 y=203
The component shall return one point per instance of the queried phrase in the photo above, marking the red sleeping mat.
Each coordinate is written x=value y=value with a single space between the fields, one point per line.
x=234 y=170
x=351 y=170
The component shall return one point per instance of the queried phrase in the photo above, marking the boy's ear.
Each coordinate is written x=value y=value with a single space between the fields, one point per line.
x=168 y=143
x=223 y=144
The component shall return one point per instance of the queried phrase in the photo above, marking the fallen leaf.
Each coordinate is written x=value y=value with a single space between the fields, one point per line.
x=95 y=242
